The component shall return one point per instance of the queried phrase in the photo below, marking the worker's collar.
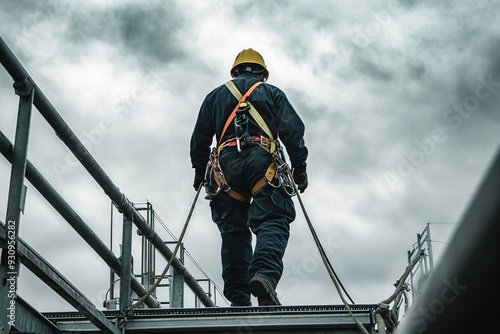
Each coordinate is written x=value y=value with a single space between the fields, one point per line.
x=250 y=74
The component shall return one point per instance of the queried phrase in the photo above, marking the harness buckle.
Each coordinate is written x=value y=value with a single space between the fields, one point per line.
x=241 y=129
x=282 y=178
x=215 y=180
x=267 y=144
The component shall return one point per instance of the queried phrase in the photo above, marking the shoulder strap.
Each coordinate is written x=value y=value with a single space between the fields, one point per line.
x=240 y=100
x=253 y=112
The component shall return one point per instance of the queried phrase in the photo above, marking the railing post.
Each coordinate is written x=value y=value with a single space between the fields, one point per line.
x=10 y=264
x=177 y=281
x=176 y=290
x=429 y=247
x=126 y=260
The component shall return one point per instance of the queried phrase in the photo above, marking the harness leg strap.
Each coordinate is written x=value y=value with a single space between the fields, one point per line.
x=268 y=177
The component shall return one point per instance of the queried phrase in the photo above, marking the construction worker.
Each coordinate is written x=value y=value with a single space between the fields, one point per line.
x=248 y=204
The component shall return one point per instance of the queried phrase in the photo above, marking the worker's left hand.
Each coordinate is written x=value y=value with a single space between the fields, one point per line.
x=198 y=179
x=301 y=181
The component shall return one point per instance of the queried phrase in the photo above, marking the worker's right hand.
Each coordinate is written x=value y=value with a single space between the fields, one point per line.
x=198 y=179
x=301 y=180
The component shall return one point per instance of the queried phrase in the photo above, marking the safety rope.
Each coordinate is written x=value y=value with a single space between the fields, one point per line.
x=401 y=285
x=326 y=261
x=401 y=281
x=170 y=261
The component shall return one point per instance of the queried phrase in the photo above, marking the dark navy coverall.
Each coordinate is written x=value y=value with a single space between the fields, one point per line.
x=271 y=210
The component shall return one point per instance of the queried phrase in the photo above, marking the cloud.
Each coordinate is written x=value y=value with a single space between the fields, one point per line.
x=376 y=84
x=151 y=33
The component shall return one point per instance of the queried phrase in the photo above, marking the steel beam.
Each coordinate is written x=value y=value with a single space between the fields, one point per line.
x=40 y=267
x=461 y=295
x=65 y=133
x=75 y=221
x=30 y=320
x=12 y=65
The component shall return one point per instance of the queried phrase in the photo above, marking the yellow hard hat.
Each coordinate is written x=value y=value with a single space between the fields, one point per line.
x=249 y=56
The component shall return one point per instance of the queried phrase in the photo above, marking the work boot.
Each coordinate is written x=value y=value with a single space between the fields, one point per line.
x=261 y=288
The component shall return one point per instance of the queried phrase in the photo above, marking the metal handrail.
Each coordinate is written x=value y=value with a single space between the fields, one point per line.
x=21 y=78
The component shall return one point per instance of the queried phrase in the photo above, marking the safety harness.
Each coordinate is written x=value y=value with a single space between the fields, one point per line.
x=275 y=175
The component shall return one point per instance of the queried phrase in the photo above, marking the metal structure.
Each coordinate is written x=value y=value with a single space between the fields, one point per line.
x=12 y=248
x=425 y=266
x=256 y=320
x=459 y=295
x=147 y=275
x=420 y=266
x=148 y=265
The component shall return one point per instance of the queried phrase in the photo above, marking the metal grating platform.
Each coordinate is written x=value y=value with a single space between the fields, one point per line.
x=283 y=319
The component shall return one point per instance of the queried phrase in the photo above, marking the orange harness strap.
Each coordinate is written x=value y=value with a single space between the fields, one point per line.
x=233 y=113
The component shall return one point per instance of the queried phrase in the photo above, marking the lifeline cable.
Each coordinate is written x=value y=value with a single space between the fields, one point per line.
x=318 y=243
x=400 y=286
x=327 y=263
x=177 y=246
x=400 y=283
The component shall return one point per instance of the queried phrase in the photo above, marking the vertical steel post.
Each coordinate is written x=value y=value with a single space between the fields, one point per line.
x=177 y=284
x=126 y=260
x=10 y=264
x=410 y=254
x=429 y=247
x=148 y=250
x=144 y=271
x=421 y=266
x=425 y=268
x=111 y=272
x=176 y=290
x=152 y=250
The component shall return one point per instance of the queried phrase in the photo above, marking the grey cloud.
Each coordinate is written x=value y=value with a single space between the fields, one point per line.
x=391 y=93
x=149 y=32
x=297 y=21
x=416 y=71
x=372 y=67
x=27 y=6
x=493 y=56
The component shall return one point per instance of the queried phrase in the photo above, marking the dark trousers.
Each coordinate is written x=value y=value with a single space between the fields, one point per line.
x=268 y=216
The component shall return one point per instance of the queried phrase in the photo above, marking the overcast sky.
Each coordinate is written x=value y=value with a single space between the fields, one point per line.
x=400 y=101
